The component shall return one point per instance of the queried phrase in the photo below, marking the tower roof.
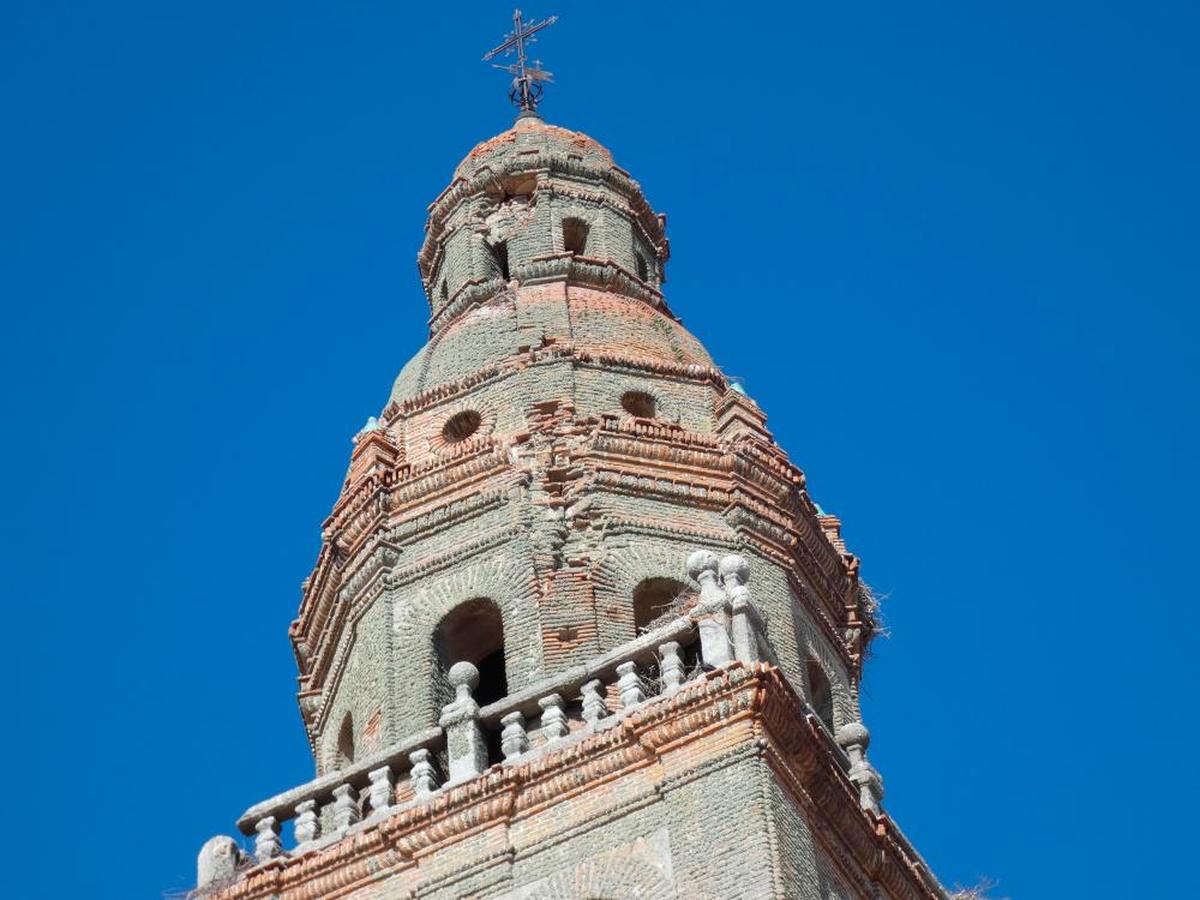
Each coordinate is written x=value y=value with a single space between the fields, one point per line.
x=527 y=136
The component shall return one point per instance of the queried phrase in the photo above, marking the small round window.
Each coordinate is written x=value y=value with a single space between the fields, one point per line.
x=638 y=403
x=461 y=426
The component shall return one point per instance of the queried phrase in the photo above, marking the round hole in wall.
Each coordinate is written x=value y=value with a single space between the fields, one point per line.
x=461 y=426
x=638 y=403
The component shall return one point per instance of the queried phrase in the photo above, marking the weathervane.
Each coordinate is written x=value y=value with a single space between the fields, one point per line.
x=528 y=75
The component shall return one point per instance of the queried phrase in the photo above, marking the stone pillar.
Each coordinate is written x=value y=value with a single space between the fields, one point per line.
x=631 y=686
x=423 y=776
x=854 y=738
x=554 y=719
x=382 y=785
x=465 y=745
x=670 y=667
x=345 y=807
x=266 y=843
x=594 y=707
x=714 y=623
x=513 y=739
x=308 y=823
x=746 y=621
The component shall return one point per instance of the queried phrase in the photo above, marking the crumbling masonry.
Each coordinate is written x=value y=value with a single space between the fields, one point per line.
x=576 y=628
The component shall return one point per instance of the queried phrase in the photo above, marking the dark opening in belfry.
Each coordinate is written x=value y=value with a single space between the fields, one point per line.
x=643 y=270
x=499 y=253
x=654 y=598
x=820 y=694
x=345 y=743
x=472 y=632
x=575 y=235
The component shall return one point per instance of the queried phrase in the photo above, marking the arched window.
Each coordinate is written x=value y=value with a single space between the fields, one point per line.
x=472 y=632
x=643 y=270
x=445 y=291
x=820 y=693
x=654 y=598
x=345 y=743
x=499 y=252
x=575 y=235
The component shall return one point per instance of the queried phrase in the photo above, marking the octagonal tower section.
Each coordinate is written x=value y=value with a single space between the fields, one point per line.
x=546 y=463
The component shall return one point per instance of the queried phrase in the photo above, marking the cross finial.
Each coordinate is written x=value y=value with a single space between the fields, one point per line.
x=528 y=76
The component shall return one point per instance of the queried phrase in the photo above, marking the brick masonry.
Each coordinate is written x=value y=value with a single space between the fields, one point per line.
x=560 y=440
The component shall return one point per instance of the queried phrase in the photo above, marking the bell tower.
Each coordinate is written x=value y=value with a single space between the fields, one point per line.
x=576 y=627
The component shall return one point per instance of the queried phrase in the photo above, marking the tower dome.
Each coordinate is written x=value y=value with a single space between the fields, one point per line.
x=542 y=244
x=535 y=203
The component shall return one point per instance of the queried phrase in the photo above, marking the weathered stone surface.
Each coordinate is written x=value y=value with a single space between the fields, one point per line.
x=217 y=863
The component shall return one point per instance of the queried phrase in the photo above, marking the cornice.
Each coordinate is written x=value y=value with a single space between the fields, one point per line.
x=752 y=708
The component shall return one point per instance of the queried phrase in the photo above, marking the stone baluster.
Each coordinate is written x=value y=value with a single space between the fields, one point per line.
x=630 y=685
x=554 y=719
x=345 y=807
x=594 y=706
x=465 y=744
x=383 y=784
x=854 y=738
x=670 y=667
x=714 y=623
x=308 y=823
x=266 y=843
x=422 y=774
x=513 y=739
x=746 y=620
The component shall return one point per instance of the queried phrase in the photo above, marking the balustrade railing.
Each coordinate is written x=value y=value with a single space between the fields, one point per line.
x=469 y=739
x=725 y=625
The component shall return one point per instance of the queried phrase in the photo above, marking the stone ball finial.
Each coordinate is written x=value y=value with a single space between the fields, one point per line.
x=700 y=562
x=853 y=733
x=217 y=862
x=463 y=674
x=734 y=567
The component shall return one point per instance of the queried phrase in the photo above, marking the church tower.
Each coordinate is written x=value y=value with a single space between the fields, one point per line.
x=576 y=628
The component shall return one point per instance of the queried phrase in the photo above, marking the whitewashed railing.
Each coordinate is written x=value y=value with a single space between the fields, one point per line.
x=724 y=625
x=543 y=715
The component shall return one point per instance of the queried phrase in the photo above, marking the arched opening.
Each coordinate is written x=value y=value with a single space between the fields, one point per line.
x=638 y=403
x=345 y=744
x=654 y=598
x=472 y=632
x=445 y=293
x=574 y=235
x=820 y=694
x=499 y=252
x=643 y=270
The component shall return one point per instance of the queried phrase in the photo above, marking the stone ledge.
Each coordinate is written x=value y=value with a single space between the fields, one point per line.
x=740 y=709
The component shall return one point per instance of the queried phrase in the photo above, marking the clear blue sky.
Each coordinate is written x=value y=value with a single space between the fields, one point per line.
x=951 y=247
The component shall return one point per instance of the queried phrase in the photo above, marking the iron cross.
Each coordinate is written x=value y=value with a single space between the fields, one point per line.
x=528 y=75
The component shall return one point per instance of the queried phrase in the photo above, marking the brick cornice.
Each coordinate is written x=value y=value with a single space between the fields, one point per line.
x=752 y=708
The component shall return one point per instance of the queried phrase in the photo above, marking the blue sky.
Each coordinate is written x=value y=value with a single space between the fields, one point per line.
x=951 y=247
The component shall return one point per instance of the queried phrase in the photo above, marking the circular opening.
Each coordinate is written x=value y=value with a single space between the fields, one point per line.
x=461 y=426
x=638 y=403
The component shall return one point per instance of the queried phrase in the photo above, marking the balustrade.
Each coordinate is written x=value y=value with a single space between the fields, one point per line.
x=725 y=625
